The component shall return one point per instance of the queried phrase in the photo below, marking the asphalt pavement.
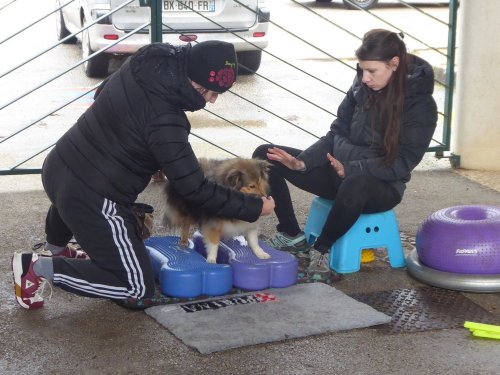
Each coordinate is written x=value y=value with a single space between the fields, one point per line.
x=77 y=335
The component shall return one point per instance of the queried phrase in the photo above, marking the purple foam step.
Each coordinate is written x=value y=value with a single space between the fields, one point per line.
x=183 y=272
x=250 y=272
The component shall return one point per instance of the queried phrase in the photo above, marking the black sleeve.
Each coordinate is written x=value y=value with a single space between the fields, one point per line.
x=168 y=140
x=100 y=87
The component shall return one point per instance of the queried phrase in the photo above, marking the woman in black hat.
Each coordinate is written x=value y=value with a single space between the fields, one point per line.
x=135 y=127
x=383 y=127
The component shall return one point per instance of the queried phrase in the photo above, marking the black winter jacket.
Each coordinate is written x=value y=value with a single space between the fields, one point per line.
x=352 y=141
x=137 y=126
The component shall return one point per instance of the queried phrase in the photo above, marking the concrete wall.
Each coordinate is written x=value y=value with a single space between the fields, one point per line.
x=476 y=122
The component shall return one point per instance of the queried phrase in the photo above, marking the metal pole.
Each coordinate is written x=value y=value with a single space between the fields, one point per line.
x=450 y=74
x=156 y=7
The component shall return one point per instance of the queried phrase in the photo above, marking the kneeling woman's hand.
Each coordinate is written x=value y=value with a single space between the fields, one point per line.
x=268 y=206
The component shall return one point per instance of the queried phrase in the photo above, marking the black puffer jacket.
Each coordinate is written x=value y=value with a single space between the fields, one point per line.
x=353 y=141
x=137 y=126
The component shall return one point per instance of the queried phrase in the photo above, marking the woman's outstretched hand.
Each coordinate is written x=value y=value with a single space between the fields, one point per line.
x=337 y=165
x=268 y=206
x=289 y=161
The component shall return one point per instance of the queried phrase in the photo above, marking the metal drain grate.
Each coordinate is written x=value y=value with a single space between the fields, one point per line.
x=424 y=309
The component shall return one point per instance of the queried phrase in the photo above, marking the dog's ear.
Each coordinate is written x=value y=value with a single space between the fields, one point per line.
x=264 y=166
x=234 y=179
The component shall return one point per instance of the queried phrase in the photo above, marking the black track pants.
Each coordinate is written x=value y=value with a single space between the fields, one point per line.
x=119 y=267
x=353 y=195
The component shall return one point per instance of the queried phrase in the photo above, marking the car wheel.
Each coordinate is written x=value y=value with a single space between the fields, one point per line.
x=365 y=4
x=97 y=66
x=62 y=31
x=249 y=61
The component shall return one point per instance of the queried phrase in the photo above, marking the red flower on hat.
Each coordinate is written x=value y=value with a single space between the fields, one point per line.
x=225 y=77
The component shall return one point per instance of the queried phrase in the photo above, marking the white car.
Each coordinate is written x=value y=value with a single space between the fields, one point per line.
x=244 y=23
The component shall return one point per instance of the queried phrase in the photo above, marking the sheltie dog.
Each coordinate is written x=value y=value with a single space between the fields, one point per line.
x=245 y=175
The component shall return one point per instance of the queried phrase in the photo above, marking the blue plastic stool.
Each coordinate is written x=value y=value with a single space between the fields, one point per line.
x=370 y=231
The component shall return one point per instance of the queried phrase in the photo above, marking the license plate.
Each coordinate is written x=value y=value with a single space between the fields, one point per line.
x=189 y=5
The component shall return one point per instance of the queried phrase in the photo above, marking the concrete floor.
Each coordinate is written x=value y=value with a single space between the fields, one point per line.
x=79 y=335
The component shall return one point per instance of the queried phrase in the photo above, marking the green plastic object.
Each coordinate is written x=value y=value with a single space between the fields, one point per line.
x=489 y=331
x=487 y=334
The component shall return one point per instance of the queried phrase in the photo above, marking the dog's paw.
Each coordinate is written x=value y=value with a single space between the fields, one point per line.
x=262 y=255
x=212 y=260
x=183 y=243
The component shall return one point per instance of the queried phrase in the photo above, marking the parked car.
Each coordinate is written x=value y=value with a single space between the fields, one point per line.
x=369 y=4
x=183 y=21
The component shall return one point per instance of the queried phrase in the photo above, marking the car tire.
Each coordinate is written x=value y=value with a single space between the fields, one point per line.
x=249 y=61
x=365 y=4
x=62 y=31
x=97 y=66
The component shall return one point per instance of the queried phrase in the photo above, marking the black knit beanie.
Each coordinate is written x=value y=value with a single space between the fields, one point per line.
x=213 y=65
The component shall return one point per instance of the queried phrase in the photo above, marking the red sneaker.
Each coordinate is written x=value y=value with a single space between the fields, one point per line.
x=69 y=251
x=28 y=286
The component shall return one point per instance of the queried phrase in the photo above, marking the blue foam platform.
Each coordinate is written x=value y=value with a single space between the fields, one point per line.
x=250 y=272
x=183 y=272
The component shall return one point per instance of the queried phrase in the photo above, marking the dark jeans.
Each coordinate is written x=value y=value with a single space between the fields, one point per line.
x=354 y=195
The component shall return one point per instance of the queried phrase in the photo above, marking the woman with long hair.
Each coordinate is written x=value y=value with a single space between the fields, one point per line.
x=383 y=128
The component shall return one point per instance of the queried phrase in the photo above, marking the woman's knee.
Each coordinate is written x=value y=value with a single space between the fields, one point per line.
x=261 y=152
x=141 y=289
x=148 y=280
x=143 y=286
x=149 y=291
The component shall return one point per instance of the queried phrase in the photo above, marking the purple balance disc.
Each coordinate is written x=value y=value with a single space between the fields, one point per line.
x=461 y=239
x=250 y=272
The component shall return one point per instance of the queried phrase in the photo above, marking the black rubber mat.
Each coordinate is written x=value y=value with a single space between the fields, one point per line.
x=424 y=309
